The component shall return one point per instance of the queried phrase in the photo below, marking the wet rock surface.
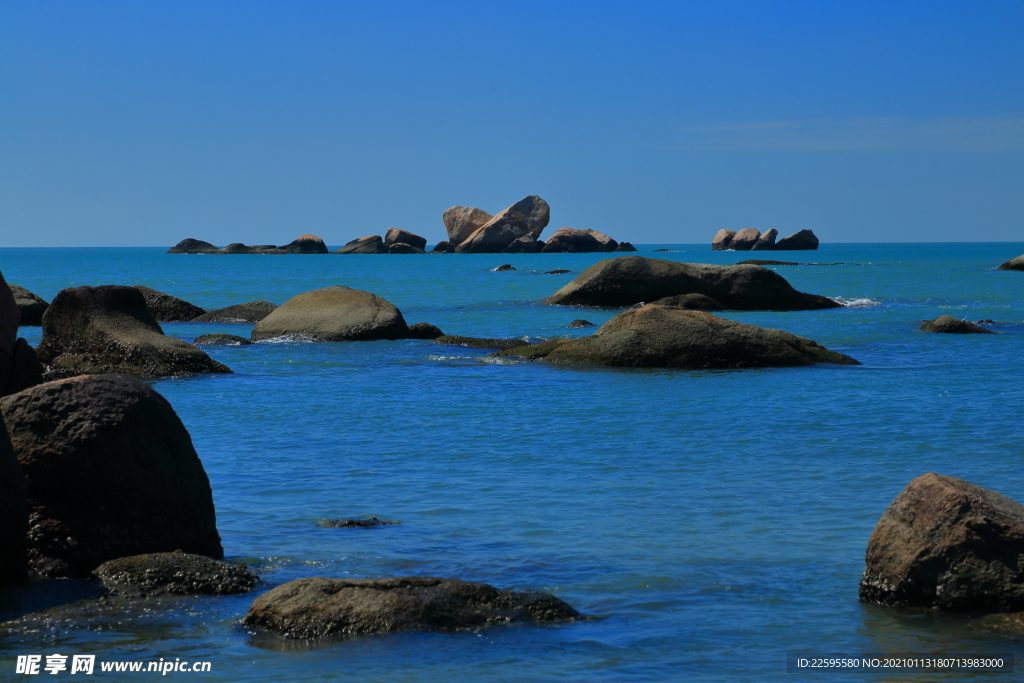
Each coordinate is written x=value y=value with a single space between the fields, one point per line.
x=174 y=573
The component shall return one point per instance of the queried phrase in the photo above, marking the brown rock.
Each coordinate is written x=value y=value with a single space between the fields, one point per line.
x=396 y=236
x=804 y=240
x=403 y=248
x=625 y=246
x=949 y=324
x=766 y=242
x=248 y=312
x=463 y=221
x=305 y=244
x=721 y=240
x=29 y=305
x=1013 y=264
x=528 y=216
x=370 y=244
x=568 y=240
x=443 y=247
x=527 y=244
x=424 y=331
x=191 y=246
x=174 y=573
x=334 y=314
x=745 y=239
x=691 y=301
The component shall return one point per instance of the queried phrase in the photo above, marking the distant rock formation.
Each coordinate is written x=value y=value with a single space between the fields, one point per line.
x=334 y=314
x=568 y=240
x=766 y=242
x=745 y=239
x=396 y=236
x=193 y=246
x=722 y=240
x=752 y=239
x=528 y=216
x=1013 y=264
x=304 y=244
x=804 y=240
x=463 y=221
x=370 y=244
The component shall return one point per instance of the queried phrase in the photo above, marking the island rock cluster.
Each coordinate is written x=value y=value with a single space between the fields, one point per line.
x=750 y=239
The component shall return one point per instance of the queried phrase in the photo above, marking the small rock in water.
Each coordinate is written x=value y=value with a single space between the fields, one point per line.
x=221 y=339
x=357 y=522
x=579 y=322
x=424 y=331
x=506 y=266
x=176 y=573
x=949 y=324
x=986 y=321
x=559 y=271
x=479 y=342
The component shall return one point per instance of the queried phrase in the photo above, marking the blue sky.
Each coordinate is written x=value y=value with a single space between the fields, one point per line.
x=140 y=124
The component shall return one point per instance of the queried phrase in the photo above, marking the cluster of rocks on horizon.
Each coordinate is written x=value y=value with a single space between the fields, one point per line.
x=751 y=239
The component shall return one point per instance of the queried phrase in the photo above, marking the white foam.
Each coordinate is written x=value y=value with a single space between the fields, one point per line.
x=855 y=302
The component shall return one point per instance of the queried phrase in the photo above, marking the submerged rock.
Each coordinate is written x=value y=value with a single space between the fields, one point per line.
x=1013 y=264
x=949 y=324
x=221 y=339
x=175 y=573
x=424 y=331
x=305 y=244
x=479 y=342
x=166 y=308
x=29 y=305
x=568 y=240
x=720 y=242
x=356 y=522
x=192 y=246
x=948 y=544
x=528 y=216
x=334 y=314
x=560 y=271
x=463 y=221
x=319 y=607
x=370 y=244
x=503 y=267
x=248 y=312
x=581 y=323
x=804 y=240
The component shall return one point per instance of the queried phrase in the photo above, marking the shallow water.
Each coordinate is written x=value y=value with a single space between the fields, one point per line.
x=710 y=520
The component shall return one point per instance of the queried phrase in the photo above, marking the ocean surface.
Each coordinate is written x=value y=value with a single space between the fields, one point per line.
x=709 y=521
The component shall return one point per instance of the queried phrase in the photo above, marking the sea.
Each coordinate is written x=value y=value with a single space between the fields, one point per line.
x=709 y=523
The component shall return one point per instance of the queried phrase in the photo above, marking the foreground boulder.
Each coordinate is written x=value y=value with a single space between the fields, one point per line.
x=722 y=239
x=93 y=330
x=668 y=337
x=528 y=216
x=175 y=573
x=191 y=246
x=249 y=312
x=19 y=365
x=628 y=280
x=111 y=472
x=1013 y=264
x=463 y=221
x=951 y=325
x=166 y=308
x=334 y=314
x=948 y=544
x=29 y=305
x=305 y=244
x=568 y=240
x=803 y=240
x=13 y=513
x=318 y=607
x=396 y=236
x=369 y=244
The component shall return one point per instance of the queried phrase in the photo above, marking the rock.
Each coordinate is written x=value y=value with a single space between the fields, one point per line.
x=166 y=308
x=947 y=323
x=239 y=248
x=396 y=236
x=443 y=247
x=221 y=339
x=191 y=246
x=568 y=240
x=720 y=242
x=23 y=371
x=581 y=323
x=745 y=239
x=766 y=262
x=663 y=250
x=176 y=573
x=305 y=244
x=357 y=523
x=560 y=271
x=111 y=472
x=803 y=240
x=527 y=244
x=691 y=301
x=13 y=513
x=249 y=312
x=402 y=248
x=986 y=321
x=334 y=314
x=10 y=319
x=766 y=242
x=480 y=342
x=659 y=336
x=370 y=244
x=29 y=305
x=319 y=607
x=946 y=543
x=94 y=330
x=424 y=331
x=1013 y=264
x=625 y=246
x=628 y=280
x=503 y=267
x=463 y=221
x=528 y=216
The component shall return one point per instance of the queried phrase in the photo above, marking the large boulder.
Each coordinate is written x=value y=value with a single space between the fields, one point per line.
x=629 y=280
x=249 y=312
x=368 y=244
x=31 y=306
x=528 y=216
x=13 y=513
x=463 y=221
x=111 y=472
x=191 y=246
x=334 y=314
x=175 y=573
x=568 y=240
x=722 y=239
x=19 y=365
x=318 y=607
x=396 y=236
x=671 y=337
x=94 y=330
x=766 y=242
x=946 y=543
x=803 y=240
x=1013 y=264
x=305 y=244
x=745 y=239
x=166 y=308
x=951 y=325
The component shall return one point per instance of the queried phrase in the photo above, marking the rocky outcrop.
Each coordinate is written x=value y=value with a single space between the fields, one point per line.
x=396 y=236
x=722 y=239
x=527 y=244
x=424 y=331
x=766 y=242
x=463 y=221
x=29 y=305
x=745 y=239
x=93 y=330
x=191 y=246
x=176 y=573
x=528 y=216
x=19 y=366
x=946 y=543
x=249 y=312
x=628 y=280
x=305 y=244
x=579 y=322
x=1013 y=264
x=443 y=247
x=691 y=301
x=166 y=308
x=403 y=248
x=370 y=244
x=949 y=324
x=110 y=471
x=334 y=314
x=13 y=513
x=625 y=246
x=220 y=339
x=479 y=342
x=568 y=240
x=803 y=240
x=318 y=607
x=661 y=336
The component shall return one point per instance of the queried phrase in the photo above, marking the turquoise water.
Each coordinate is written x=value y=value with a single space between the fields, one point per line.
x=711 y=521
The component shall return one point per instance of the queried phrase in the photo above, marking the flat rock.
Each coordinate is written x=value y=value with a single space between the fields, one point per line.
x=1013 y=264
x=659 y=336
x=396 y=236
x=629 y=280
x=528 y=216
x=721 y=240
x=463 y=221
x=110 y=472
x=166 y=308
x=31 y=306
x=248 y=312
x=766 y=242
x=220 y=339
x=94 y=330
x=804 y=240
x=949 y=544
x=480 y=342
x=319 y=607
x=369 y=244
x=424 y=331
x=174 y=573
x=334 y=314
x=691 y=301
x=745 y=239
x=305 y=244
x=193 y=246
x=949 y=324
x=569 y=240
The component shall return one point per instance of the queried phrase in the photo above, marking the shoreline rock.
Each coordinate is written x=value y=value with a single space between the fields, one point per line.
x=1013 y=264
x=220 y=339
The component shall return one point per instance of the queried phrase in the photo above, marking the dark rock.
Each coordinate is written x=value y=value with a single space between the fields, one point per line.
x=221 y=339
x=111 y=472
x=355 y=523
x=239 y=248
x=463 y=221
x=560 y=271
x=662 y=250
x=691 y=301
x=766 y=242
x=1013 y=264
x=29 y=305
x=396 y=236
x=19 y=366
x=766 y=262
x=334 y=314
x=191 y=246
x=625 y=246
x=370 y=244
x=403 y=248
x=503 y=267
x=527 y=244
x=947 y=323
x=168 y=309
x=659 y=336
x=249 y=312
x=318 y=607
x=528 y=216
x=568 y=240
x=25 y=369
x=986 y=321
x=804 y=240
x=628 y=280
x=93 y=330
x=175 y=573
x=480 y=342
x=581 y=323
x=443 y=247
x=720 y=242
x=948 y=544
x=305 y=244
x=424 y=331
x=13 y=513
x=745 y=239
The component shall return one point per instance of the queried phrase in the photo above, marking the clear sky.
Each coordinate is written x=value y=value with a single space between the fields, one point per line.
x=142 y=123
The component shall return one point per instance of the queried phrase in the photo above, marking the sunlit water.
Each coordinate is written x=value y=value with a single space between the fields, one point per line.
x=711 y=521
